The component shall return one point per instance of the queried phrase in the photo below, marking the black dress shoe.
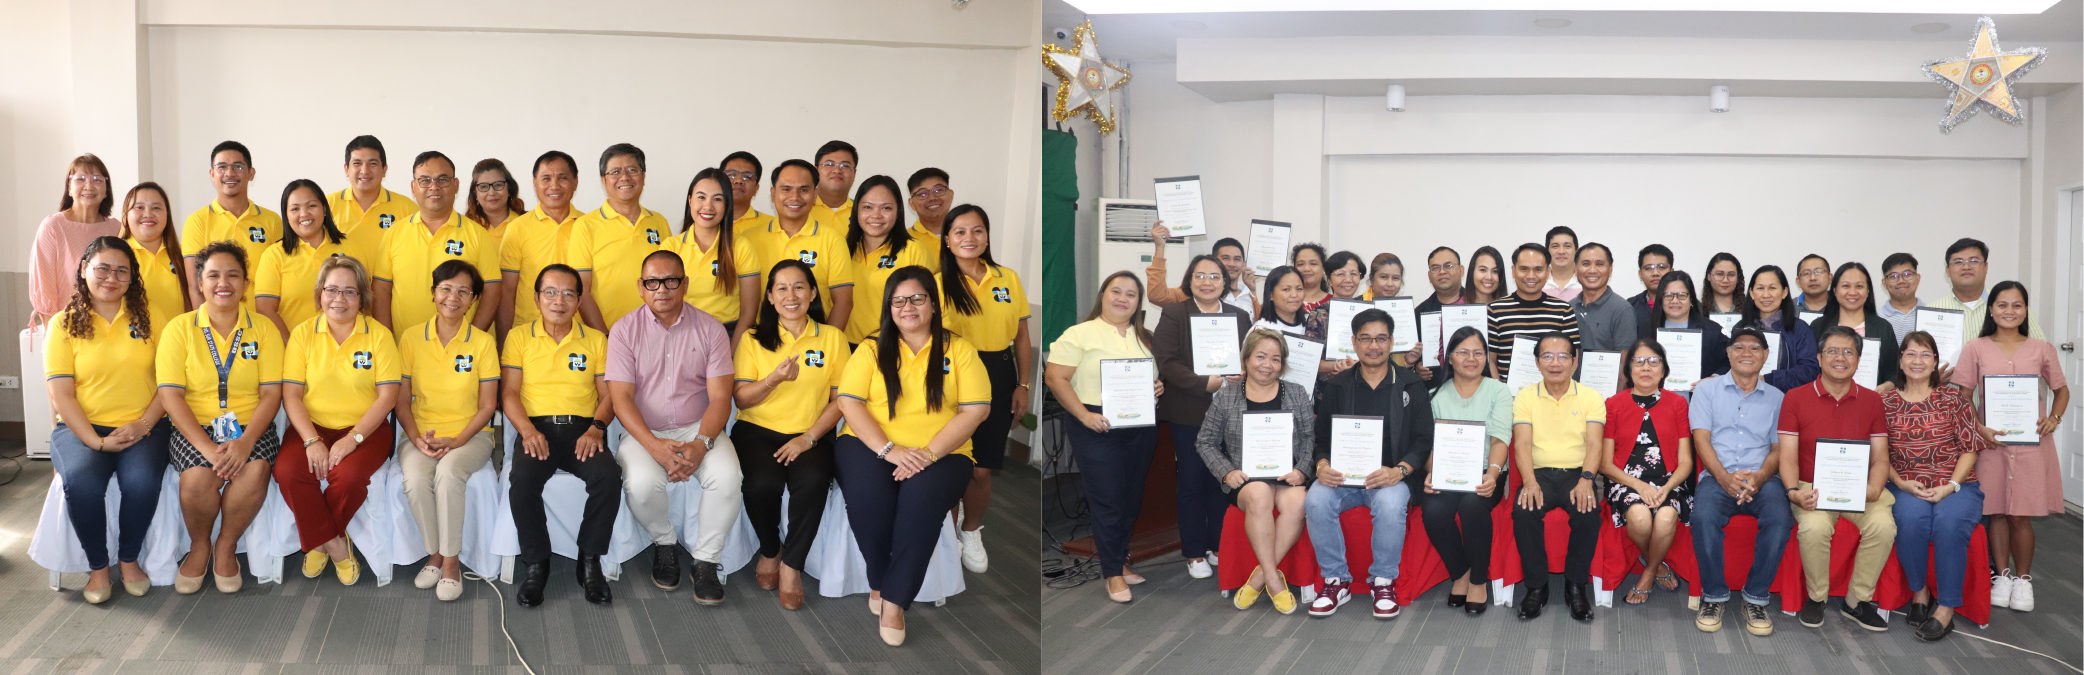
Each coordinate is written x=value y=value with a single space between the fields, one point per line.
x=709 y=590
x=665 y=567
x=1917 y=612
x=1457 y=600
x=1530 y=606
x=1476 y=608
x=1931 y=630
x=591 y=579
x=533 y=579
x=1578 y=597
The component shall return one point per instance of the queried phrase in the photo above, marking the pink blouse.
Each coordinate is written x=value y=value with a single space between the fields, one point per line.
x=55 y=256
x=1982 y=356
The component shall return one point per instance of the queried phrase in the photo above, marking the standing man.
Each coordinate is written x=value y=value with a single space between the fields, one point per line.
x=796 y=233
x=1834 y=407
x=669 y=376
x=537 y=239
x=407 y=255
x=1733 y=421
x=1530 y=313
x=1606 y=321
x=1232 y=254
x=930 y=200
x=744 y=171
x=1444 y=271
x=1968 y=267
x=1651 y=264
x=836 y=162
x=1899 y=276
x=367 y=201
x=230 y=217
x=1393 y=393
x=608 y=245
x=1558 y=433
x=1562 y=282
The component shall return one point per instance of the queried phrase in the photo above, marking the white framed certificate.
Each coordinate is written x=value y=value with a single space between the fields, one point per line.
x=1404 y=328
x=1461 y=451
x=1269 y=445
x=1728 y=320
x=1869 y=373
x=1772 y=352
x=1303 y=355
x=1338 y=327
x=1268 y=246
x=1808 y=316
x=1945 y=325
x=1840 y=475
x=1454 y=317
x=1128 y=395
x=1356 y=447
x=1682 y=347
x=1429 y=336
x=1179 y=205
x=1522 y=372
x=1602 y=372
x=2012 y=406
x=1215 y=344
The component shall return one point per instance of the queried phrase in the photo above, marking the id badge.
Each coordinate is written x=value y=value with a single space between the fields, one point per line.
x=225 y=428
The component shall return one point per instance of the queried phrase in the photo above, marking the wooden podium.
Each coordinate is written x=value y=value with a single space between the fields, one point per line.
x=1157 y=524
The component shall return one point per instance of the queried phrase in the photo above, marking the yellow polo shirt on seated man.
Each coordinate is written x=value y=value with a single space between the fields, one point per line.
x=612 y=249
x=557 y=375
x=793 y=405
x=292 y=278
x=871 y=271
x=533 y=241
x=106 y=367
x=255 y=353
x=340 y=378
x=445 y=377
x=963 y=382
x=253 y=229
x=1558 y=423
x=410 y=253
x=386 y=211
x=1001 y=305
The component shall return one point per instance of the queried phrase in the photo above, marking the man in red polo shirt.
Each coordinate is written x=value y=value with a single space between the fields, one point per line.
x=1834 y=407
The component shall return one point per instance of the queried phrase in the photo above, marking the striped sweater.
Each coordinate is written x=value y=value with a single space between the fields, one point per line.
x=1514 y=316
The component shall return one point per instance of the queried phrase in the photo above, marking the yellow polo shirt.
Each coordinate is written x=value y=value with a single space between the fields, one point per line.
x=871 y=270
x=1001 y=305
x=340 y=378
x=919 y=232
x=410 y=253
x=839 y=217
x=529 y=243
x=498 y=232
x=557 y=376
x=445 y=377
x=795 y=404
x=702 y=269
x=183 y=362
x=1558 y=423
x=1085 y=345
x=613 y=249
x=253 y=230
x=292 y=279
x=104 y=367
x=389 y=209
x=752 y=221
x=160 y=272
x=818 y=244
x=963 y=383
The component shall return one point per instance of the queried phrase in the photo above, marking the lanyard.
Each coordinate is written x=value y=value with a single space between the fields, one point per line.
x=224 y=368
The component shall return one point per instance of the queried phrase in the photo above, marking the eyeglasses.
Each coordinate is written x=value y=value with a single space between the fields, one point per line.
x=1966 y=261
x=1648 y=360
x=1901 y=276
x=1443 y=267
x=1835 y=351
x=1814 y=272
x=1555 y=357
x=1347 y=275
x=834 y=164
x=621 y=171
x=1920 y=355
x=668 y=283
x=341 y=293
x=1678 y=295
x=443 y=180
x=484 y=188
x=916 y=300
x=1208 y=276
x=556 y=293
x=446 y=289
x=1723 y=274
x=1656 y=267
x=1371 y=340
x=1467 y=354
x=923 y=193
x=104 y=272
x=88 y=179
x=233 y=167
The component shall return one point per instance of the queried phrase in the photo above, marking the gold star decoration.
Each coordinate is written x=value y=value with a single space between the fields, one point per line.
x=1084 y=82
x=1985 y=75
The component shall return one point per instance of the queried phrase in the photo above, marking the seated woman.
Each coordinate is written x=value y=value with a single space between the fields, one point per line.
x=342 y=432
x=220 y=378
x=111 y=423
x=1649 y=457
x=448 y=388
x=1465 y=545
x=1933 y=440
x=1221 y=446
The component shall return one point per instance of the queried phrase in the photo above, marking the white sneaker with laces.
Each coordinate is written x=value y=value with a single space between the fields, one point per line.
x=2022 y=593
x=1199 y=569
x=974 y=558
x=2001 y=588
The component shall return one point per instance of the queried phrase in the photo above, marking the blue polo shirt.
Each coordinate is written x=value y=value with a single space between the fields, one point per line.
x=1741 y=427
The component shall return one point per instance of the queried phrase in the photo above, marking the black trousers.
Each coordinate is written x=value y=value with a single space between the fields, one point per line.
x=1464 y=546
x=808 y=480
x=1111 y=469
x=989 y=441
x=1529 y=533
x=897 y=523
x=603 y=479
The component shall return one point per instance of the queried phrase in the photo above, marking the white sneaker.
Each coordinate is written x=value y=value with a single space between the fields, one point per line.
x=2001 y=588
x=1199 y=569
x=2022 y=593
x=973 y=557
x=427 y=577
x=1212 y=559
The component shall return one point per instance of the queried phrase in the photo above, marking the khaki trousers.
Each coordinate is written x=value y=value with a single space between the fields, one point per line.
x=435 y=489
x=1813 y=529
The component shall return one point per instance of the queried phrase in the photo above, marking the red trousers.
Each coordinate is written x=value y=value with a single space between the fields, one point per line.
x=323 y=513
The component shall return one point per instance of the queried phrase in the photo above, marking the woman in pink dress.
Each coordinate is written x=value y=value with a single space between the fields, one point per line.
x=2020 y=482
x=83 y=214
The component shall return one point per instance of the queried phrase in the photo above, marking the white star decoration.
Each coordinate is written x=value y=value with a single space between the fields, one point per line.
x=1985 y=75
x=1085 y=83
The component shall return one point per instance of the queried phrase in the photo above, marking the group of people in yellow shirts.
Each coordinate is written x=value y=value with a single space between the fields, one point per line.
x=368 y=316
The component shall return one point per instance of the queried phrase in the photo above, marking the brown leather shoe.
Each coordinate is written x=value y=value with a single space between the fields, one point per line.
x=792 y=600
x=768 y=579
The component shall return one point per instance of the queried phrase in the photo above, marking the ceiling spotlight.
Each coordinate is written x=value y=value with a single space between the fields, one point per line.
x=1552 y=23
x=1929 y=28
x=1189 y=25
x=1395 y=102
x=1718 y=98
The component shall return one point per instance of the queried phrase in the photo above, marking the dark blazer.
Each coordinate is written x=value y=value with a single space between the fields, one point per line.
x=1877 y=328
x=1407 y=434
x=1186 y=394
x=1221 y=441
x=1714 y=344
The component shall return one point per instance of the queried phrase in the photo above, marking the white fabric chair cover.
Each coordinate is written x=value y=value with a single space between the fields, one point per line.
x=56 y=547
x=481 y=499
x=564 y=505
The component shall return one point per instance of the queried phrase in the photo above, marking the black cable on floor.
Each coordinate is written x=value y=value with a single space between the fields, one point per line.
x=1065 y=569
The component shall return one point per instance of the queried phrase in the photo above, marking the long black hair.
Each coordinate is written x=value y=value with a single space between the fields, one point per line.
x=889 y=338
x=767 y=330
x=1831 y=307
x=290 y=240
x=79 y=311
x=954 y=289
x=1990 y=320
x=1693 y=308
x=1266 y=295
x=898 y=237
x=1738 y=297
x=1497 y=260
x=726 y=262
x=1788 y=317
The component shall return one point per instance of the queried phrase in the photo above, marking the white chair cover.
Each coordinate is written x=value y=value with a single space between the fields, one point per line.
x=56 y=547
x=481 y=499
x=564 y=505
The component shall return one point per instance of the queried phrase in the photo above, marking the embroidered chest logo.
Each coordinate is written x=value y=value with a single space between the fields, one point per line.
x=259 y=236
x=808 y=257
x=383 y=222
x=947 y=365
x=249 y=351
x=814 y=358
x=363 y=361
x=715 y=268
x=134 y=335
x=651 y=236
x=453 y=247
x=575 y=362
x=463 y=363
x=886 y=262
x=999 y=294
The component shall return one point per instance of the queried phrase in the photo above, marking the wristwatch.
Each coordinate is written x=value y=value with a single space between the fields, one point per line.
x=1587 y=475
x=358 y=438
x=603 y=426
x=706 y=441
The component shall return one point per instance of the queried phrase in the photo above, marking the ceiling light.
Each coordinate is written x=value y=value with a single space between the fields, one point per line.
x=1718 y=98
x=1395 y=102
x=1928 y=28
x=1969 y=7
x=1552 y=23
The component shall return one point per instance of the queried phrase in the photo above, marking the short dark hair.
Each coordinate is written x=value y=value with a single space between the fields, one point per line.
x=1556 y=335
x=455 y=267
x=429 y=156
x=837 y=146
x=919 y=178
x=234 y=146
x=748 y=157
x=1846 y=332
x=1533 y=247
x=1959 y=245
x=1643 y=256
x=223 y=246
x=1628 y=357
x=1226 y=241
x=1596 y=245
x=1339 y=260
x=775 y=178
x=1550 y=238
x=618 y=150
x=662 y=253
x=1372 y=315
x=367 y=142
x=556 y=155
x=578 y=283
x=1895 y=259
x=1450 y=251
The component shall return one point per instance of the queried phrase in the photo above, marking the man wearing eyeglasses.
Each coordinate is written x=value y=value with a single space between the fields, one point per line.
x=1732 y=420
x=609 y=244
x=669 y=377
x=836 y=162
x=1900 y=278
x=1558 y=429
x=230 y=217
x=408 y=253
x=798 y=233
x=1394 y=398
x=930 y=200
x=1836 y=407
x=1651 y=264
x=366 y=201
x=743 y=169
x=1968 y=267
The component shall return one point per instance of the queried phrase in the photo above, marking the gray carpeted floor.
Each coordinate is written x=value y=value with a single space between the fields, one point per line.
x=316 y=625
x=1179 y=624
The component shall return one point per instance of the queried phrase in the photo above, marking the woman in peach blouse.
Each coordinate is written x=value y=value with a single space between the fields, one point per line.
x=2020 y=482
x=83 y=214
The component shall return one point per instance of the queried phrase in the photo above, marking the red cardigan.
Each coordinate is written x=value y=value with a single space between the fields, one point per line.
x=1624 y=419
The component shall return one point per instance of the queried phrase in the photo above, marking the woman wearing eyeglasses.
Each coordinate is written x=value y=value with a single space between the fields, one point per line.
x=495 y=199
x=1769 y=310
x=1345 y=272
x=1187 y=395
x=1465 y=544
x=83 y=215
x=1649 y=461
x=448 y=389
x=1723 y=289
x=293 y=264
x=1851 y=305
x=1934 y=440
x=1111 y=462
x=1679 y=308
x=2021 y=482
x=723 y=270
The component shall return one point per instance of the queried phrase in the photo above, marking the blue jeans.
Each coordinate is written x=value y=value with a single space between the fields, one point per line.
x=1712 y=509
x=1946 y=527
x=1199 y=496
x=1388 y=505
x=85 y=473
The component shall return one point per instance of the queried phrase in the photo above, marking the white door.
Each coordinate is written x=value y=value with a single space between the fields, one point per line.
x=2069 y=442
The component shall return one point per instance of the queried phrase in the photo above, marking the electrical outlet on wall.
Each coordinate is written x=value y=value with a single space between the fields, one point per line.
x=10 y=382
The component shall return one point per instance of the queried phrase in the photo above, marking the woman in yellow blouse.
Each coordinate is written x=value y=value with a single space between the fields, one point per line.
x=349 y=362
x=786 y=375
x=158 y=250
x=289 y=268
x=220 y=379
x=723 y=271
x=988 y=307
x=112 y=424
x=495 y=198
x=1111 y=462
x=448 y=390
x=918 y=371
x=880 y=244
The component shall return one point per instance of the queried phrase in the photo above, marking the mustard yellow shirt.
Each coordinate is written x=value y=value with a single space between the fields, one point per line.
x=963 y=382
x=919 y=232
x=702 y=269
x=613 y=249
x=105 y=367
x=1001 y=306
x=1558 y=423
x=752 y=221
x=253 y=351
x=340 y=378
x=529 y=243
x=160 y=272
x=839 y=217
x=818 y=244
x=253 y=230
x=793 y=405
x=389 y=209
x=498 y=232
x=292 y=279
x=871 y=271
x=445 y=376
x=410 y=253
x=557 y=376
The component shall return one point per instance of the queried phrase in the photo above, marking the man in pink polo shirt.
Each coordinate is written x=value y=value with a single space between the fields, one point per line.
x=669 y=376
x=1835 y=407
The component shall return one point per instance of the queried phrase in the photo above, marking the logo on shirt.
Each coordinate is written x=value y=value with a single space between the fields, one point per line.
x=814 y=358
x=575 y=362
x=383 y=222
x=362 y=361
x=999 y=294
x=947 y=366
x=715 y=268
x=259 y=236
x=463 y=363
x=134 y=335
x=250 y=351
x=652 y=236
x=886 y=262
x=808 y=257
x=453 y=247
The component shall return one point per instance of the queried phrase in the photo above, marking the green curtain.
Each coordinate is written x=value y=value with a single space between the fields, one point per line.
x=1059 y=233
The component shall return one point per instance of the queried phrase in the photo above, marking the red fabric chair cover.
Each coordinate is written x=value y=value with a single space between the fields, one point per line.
x=1618 y=557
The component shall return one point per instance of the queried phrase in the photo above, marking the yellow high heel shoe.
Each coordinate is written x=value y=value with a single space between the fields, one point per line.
x=1246 y=595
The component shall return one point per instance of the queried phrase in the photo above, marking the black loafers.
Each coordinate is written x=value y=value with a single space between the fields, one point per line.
x=533 y=579
x=591 y=579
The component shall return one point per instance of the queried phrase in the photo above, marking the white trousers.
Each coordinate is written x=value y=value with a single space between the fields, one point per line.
x=644 y=483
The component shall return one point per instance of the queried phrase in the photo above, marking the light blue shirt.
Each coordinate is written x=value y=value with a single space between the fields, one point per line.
x=1740 y=426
